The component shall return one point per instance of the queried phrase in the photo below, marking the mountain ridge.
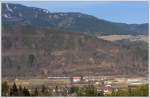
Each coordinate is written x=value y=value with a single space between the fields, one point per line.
x=68 y=21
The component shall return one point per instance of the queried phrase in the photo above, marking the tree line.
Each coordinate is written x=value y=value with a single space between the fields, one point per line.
x=89 y=90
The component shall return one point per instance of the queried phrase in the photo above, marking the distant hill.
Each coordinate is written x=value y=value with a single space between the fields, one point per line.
x=138 y=28
x=69 y=21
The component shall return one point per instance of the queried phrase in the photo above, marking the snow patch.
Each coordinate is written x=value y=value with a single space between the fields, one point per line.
x=7 y=16
x=9 y=9
x=20 y=14
x=46 y=11
x=79 y=15
x=36 y=15
x=55 y=16
x=15 y=7
x=62 y=14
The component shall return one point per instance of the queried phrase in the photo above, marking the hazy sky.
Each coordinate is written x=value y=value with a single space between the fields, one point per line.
x=126 y=12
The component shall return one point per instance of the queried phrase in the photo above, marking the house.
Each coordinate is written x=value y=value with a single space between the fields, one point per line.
x=76 y=79
x=136 y=81
x=97 y=83
x=108 y=89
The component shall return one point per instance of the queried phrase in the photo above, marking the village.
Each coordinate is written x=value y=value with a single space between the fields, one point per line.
x=60 y=85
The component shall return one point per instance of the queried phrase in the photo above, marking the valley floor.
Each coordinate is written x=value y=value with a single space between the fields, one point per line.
x=103 y=85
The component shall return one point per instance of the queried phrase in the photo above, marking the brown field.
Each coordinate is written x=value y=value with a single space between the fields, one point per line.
x=31 y=83
x=121 y=37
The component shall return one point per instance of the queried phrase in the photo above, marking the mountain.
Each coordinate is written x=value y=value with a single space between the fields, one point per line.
x=39 y=47
x=32 y=52
x=69 y=21
x=138 y=28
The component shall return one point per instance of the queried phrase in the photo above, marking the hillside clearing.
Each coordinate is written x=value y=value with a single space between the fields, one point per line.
x=121 y=37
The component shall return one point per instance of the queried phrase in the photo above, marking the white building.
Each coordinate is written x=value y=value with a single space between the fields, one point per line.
x=76 y=79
